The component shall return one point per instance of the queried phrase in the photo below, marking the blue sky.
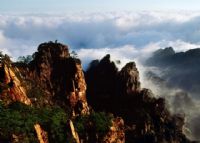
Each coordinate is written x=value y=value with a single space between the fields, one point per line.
x=95 y=5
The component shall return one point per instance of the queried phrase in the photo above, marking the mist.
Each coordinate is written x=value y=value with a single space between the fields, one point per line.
x=174 y=76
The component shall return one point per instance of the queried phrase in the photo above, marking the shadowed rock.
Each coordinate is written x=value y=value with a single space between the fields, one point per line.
x=146 y=118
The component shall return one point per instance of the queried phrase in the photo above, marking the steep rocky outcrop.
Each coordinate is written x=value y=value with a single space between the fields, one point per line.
x=146 y=118
x=11 y=87
x=101 y=74
x=101 y=78
x=60 y=77
x=128 y=79
x=55 y=79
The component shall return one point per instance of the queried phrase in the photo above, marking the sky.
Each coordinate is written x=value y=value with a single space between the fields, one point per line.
x=95 y=5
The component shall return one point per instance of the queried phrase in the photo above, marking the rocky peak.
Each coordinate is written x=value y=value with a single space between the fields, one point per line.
x=146 y=118
x=60 y=76
x=53 y=50
x=128 y=79
x=46 y=58
x=168 y=51
x=101 y=76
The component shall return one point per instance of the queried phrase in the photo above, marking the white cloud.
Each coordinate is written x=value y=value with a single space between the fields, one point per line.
x=124 y=54
x=100 y=30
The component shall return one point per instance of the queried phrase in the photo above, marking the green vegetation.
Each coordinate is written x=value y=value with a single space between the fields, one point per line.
x=19 y=119
x=99 y=123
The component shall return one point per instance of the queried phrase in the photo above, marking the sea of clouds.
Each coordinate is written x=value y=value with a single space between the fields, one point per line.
x=126 y=36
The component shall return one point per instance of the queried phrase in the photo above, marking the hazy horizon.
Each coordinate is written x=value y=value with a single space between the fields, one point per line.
x=95 y=5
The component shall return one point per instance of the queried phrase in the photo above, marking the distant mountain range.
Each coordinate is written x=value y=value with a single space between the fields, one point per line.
x=178 y=69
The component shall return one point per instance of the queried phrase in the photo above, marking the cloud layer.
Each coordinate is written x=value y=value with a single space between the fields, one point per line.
x=21 y=33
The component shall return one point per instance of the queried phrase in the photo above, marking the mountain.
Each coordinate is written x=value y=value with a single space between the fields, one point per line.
x=45 y=101
x=180 y=70
x=51 y=99
x=146 y=118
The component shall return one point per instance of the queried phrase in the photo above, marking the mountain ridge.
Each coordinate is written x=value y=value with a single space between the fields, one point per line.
x=103 y=105
x=182 y=66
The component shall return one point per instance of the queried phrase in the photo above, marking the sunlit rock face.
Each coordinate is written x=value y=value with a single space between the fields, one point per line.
x=60 y=76
x=116 y=134
x=41 y=134
x=12 y=89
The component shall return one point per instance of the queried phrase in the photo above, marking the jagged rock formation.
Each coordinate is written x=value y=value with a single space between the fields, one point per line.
x=54 y=78
x=128 y=79
x=146 y=118
x=12 y=88
x=101 y=74
x=60 y=77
